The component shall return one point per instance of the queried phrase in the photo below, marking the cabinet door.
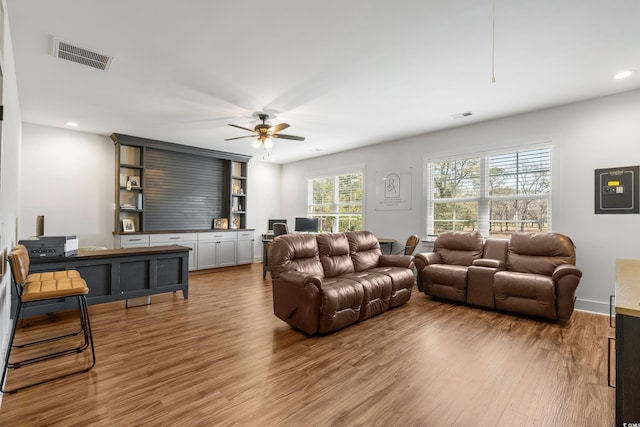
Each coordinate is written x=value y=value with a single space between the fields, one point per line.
x=206 y=254
x=245 y=251
x=226 y=253
x=183 y=239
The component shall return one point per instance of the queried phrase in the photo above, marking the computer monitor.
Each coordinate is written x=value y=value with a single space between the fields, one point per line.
x=307 y=225
x=273 y=221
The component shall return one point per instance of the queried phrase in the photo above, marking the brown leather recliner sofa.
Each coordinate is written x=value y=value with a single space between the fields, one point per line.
x=325 y=282
x=531 y=273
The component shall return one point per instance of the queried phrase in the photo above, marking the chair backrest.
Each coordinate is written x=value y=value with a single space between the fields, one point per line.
x=539 y=253
x=412 y=242
x=459 y=247
x=280 y=228
x=19 y=261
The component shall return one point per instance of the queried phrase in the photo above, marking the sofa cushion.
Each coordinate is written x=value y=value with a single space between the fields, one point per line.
x=341 y=301
x=294 y=252
x=525 y=293
x=334 y=254
x=377 y=291
x=539 y=253
x=402 y=281
x=459 y=247
x=446 y=281
x=364 y=248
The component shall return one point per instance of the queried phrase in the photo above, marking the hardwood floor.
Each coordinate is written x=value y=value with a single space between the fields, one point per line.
x=222 y=358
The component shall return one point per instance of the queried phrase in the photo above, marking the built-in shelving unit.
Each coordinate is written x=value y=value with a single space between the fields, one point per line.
x=238 y=206
x=165 y=187
x=129 y=187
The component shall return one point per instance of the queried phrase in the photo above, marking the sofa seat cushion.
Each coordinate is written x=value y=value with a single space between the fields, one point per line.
x=402 y=281
x=341 y=302
x=525 y=293
x=377 y=292
x=446 y=281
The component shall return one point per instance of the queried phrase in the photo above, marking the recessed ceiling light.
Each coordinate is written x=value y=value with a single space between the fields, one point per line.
x=72 y=124
x=623 y=74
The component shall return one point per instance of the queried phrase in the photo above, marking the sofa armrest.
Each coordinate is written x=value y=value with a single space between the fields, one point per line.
x=565 y=270
x=429 y=258
x=566 y=277
x=298 y=278
x=491 y=263
x=405 y=261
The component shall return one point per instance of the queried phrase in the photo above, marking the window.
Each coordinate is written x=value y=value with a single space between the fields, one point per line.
x=337 y=202
x=496 y=193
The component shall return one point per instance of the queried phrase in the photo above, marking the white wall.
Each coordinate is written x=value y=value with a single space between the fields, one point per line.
x=589 y=135
x=68 y=177
x=9 y=185
x=263 y=198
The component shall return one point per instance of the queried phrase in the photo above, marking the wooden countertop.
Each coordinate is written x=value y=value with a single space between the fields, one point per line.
x=628 y=287
x=110 y=253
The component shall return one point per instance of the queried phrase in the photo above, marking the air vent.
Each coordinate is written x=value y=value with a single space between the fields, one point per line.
x=461 y=115
x=80 y=55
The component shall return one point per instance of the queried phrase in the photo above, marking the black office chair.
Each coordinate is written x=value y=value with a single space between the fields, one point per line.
x=280 y=228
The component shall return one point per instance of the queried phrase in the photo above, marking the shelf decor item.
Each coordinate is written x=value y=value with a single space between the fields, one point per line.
x=220 y=223
x=128 y=225
x=134 y=180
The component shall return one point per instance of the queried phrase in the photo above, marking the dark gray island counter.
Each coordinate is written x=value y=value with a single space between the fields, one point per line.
x=119 y=274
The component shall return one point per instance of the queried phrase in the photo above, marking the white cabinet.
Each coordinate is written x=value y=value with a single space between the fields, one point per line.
x=216 y=249
x=132 y=241
x=189 y=240
x=209 y=249
x=245 y=247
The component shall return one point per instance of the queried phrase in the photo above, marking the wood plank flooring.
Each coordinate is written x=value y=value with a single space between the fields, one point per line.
x=222 y=358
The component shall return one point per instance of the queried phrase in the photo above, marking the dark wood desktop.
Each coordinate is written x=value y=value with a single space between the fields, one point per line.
x=119 y=274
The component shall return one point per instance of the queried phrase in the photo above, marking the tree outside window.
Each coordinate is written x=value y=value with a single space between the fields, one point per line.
x=496 y=194
x=337 y=202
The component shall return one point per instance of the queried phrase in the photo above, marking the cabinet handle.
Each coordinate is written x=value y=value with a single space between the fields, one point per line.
x=174 y=238
x=610 y=383
x=134 y=240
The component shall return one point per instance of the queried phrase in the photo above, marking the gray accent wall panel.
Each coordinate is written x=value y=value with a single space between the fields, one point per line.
x=182 y=191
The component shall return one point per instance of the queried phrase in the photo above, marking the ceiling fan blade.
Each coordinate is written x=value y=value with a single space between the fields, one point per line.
x=240 y=137
x=278 y=128
x=281 y=136
x=243 y=128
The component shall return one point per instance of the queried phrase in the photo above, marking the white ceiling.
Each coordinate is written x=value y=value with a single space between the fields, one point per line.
x=342 y=73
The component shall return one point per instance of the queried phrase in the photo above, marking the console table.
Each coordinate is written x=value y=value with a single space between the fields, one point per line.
x=118 y=274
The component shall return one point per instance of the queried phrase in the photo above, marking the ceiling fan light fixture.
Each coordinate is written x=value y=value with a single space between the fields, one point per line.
x=268 y=143
x=256 y=143
x=622 y=74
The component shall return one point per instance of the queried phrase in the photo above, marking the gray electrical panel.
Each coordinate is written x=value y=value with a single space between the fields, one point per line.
x=616 y=190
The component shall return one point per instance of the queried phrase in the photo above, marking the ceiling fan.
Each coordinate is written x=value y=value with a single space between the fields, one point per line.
x=263 y=132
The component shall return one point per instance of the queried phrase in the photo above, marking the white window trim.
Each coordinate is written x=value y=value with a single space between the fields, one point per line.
x=503 y=149
x=344 y=170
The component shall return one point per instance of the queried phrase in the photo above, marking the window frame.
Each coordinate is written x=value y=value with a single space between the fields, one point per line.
x=336 y=175
x=484 y=199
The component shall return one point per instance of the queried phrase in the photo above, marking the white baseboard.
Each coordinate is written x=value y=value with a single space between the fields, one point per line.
x=596 y=307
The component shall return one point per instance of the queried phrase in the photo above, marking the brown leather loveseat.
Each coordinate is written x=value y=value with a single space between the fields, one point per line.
x=531 y=273
x=325 y=282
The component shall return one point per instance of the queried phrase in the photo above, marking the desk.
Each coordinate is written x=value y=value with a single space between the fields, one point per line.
x=117 y=274
x=387 y=242
x=265 y=258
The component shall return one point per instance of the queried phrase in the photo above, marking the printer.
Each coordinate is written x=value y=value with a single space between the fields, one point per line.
x=50 y=246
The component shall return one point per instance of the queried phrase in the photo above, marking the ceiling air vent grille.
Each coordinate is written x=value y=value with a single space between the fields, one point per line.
x=80 y=55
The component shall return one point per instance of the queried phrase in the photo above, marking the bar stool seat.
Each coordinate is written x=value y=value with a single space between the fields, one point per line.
x=41 y=287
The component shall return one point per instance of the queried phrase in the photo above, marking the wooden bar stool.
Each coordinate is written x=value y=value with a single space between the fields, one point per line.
x=37 y=287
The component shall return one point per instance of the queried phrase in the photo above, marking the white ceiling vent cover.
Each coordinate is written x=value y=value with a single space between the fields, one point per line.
x=80 y=55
